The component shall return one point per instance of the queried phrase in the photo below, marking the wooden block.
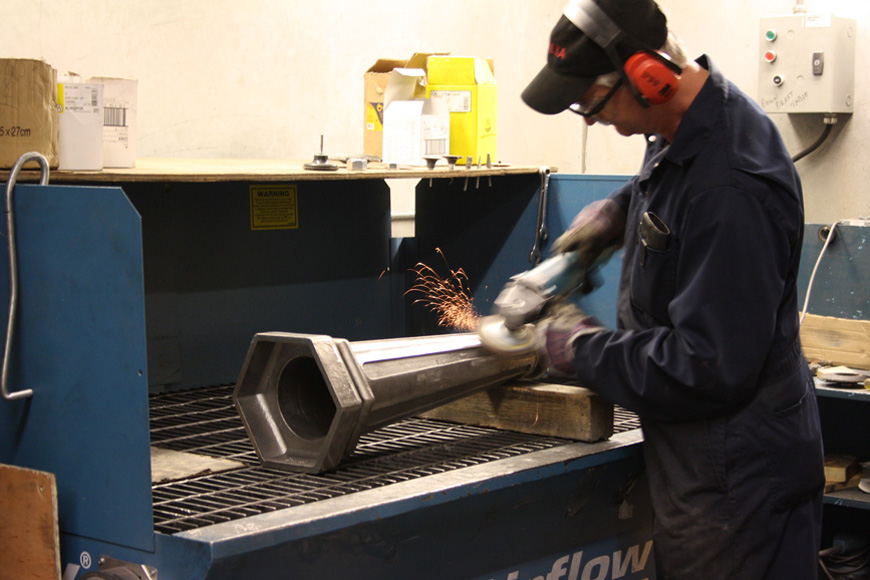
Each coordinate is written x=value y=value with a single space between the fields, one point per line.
x=839 y=468
x=537 y=408
x=839 y=341
x=169 y=465
x=29 y=539
x=852 y=483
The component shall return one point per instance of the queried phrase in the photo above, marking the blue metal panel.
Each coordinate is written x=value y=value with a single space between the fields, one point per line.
x=489 y=232
x=568 y=195
x=211 y=282
x=81 y=348
x=840 y=286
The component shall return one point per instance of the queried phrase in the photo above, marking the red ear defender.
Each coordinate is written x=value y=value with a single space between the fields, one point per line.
x=652 y=78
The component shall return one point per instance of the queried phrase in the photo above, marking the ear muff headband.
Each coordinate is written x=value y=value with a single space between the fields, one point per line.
x=652 y=77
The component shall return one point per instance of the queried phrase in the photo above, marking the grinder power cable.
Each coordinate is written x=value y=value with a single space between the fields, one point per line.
x=521 y=303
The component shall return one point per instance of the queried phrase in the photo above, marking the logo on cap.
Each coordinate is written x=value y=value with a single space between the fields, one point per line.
x=557 y=51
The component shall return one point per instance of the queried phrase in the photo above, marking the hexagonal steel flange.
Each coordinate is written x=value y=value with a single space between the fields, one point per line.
x=297 y=400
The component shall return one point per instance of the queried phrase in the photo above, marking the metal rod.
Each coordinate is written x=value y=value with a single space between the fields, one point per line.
x=13 y=269
x=306 y=399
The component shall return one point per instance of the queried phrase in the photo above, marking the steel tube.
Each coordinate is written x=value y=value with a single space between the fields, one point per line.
x=306 y=399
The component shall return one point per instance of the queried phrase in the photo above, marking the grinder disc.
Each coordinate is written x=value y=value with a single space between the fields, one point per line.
x=497 y=338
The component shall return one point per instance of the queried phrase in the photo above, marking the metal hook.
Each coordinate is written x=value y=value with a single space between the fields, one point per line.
x=13 y=269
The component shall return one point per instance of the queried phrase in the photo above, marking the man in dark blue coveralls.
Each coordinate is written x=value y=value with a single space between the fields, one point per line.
x=707 y=351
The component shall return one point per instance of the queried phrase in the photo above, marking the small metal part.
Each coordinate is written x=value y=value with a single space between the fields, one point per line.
x=477 y=179
x=357 y=164
x=541 y=232
x=321 y=161
x=818 y=63
x=112 y=569
x=431 y=161
x=468 y=163
x=489 y=166
x=825 y=232
x=451 y=161
x=844 y=375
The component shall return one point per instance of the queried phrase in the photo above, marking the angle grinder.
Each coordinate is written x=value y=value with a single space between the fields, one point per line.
x=510 y=329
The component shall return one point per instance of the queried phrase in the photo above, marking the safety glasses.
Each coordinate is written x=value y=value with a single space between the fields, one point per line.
x=590 y=109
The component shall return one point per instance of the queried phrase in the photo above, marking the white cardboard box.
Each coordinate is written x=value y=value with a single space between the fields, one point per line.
x=80 y=125
x=120 y=122
x=413 y=126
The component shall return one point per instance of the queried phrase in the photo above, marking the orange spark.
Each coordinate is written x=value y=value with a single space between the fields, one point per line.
x=446 y=296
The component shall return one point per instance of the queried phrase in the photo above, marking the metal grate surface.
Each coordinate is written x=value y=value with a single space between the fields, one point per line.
x=205 y=421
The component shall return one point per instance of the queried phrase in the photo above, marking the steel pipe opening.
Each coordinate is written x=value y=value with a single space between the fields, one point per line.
x=304 y=400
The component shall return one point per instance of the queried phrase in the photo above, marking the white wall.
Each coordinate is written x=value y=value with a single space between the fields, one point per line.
x=265 y=78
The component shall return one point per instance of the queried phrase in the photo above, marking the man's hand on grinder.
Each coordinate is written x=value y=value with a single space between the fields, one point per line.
x=559 y=329
x=598 y=226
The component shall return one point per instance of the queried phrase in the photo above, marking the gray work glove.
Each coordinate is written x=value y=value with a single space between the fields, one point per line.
x=559 y=329
x=598 y=226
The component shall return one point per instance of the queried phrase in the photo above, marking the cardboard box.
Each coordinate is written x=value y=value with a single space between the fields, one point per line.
x=120 y=120
x=80 y=122
x=375 y=82
x=413 y=126
x=468 y=85
x=28 y=110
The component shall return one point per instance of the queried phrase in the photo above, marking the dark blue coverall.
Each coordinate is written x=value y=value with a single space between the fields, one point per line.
x=707 y=352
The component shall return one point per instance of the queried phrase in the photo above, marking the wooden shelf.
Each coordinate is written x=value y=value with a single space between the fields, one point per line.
x=214 y=170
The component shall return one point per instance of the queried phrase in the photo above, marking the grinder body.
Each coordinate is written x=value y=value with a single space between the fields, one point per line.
x=523 y=300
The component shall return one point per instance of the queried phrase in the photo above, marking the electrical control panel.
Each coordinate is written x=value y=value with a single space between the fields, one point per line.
x=806 y=64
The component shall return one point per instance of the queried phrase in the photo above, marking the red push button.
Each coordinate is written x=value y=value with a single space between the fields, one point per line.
x=770 y=56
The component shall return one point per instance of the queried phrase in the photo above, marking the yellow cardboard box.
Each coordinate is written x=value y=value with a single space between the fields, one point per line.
x=468 y=84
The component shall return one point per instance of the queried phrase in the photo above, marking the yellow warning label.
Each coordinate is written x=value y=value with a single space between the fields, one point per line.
x=274 y=207
x=374 y=116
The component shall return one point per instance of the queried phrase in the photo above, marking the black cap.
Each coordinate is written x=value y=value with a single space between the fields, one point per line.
x=574 y=60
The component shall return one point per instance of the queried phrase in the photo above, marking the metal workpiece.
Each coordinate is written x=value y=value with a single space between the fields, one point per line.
x=306 y=399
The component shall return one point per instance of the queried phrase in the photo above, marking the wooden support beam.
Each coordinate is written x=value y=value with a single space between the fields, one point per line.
x=538 y=408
